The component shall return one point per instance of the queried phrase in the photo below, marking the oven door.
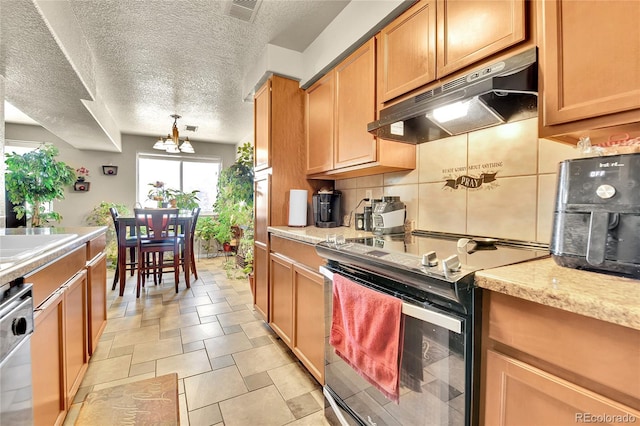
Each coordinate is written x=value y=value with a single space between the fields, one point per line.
x=434 y=376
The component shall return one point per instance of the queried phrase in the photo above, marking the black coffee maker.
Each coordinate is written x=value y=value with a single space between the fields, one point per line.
x=327 y=211
x=597 y=215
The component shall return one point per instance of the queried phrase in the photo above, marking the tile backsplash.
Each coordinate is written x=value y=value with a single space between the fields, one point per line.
x=498 y=182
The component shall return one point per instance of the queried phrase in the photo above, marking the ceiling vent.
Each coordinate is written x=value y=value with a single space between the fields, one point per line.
x=190 y=128
x=244 y=10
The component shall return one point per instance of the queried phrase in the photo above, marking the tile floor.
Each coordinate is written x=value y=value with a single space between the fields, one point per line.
x=232 y=368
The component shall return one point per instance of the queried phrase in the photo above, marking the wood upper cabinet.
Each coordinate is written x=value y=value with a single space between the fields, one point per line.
x=469 y=31
x=407 y=51
x=339 y=107
x=355 y=107
x=320 y=120
x=433 y=39
x=589 y=81
x=262 y=127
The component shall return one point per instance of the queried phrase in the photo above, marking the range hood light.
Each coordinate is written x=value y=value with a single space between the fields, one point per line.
x=450 y=112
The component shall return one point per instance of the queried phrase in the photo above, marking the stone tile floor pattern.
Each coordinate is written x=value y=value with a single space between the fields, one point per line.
x=232 y=368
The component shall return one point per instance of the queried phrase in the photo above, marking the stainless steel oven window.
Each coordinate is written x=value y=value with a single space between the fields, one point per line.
x=433 y=374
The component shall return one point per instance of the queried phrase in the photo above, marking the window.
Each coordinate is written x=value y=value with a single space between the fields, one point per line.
x=179 y=172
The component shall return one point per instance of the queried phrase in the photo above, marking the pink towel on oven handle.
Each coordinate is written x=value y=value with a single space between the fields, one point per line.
x=367 y=332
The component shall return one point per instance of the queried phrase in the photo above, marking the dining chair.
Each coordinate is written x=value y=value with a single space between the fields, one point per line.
x=157 y=233
x=130 y=242
x=194 y=219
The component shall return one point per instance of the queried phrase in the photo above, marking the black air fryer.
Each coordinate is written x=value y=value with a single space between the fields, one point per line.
x=597 y=216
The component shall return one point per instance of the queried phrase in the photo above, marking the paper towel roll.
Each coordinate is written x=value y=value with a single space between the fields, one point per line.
x=298 y=207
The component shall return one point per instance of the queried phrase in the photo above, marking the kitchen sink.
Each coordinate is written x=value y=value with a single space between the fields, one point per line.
x=14 y=248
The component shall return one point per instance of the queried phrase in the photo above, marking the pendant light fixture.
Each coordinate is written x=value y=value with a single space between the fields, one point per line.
x=172 y=143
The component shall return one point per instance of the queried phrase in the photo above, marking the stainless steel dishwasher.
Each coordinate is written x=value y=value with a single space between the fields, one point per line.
x=16 y=327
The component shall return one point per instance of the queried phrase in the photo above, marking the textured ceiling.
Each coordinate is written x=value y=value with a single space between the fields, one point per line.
x=89 y=70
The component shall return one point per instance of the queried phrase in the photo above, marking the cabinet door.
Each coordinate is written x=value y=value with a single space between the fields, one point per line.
x=469 y=31
x=407 y=51
x=309 y=332
x=355 y=108
x=76 y=337
x=281 y=297
x=320 y=124
x=261 y=279
x=262 y=130
x=589 y=75
x=97 y=299
x=47 y=362
x=519 y=394
x=261 y=205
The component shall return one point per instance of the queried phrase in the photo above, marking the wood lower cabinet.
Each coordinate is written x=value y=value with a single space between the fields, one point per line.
x=70 y=314
x=261 y=279
x=47 y=362
x=308 y=319
x=281 y=292
x=96 y=299
x=543 y=365
x=589 y=86
x=75 y=332
x=59 y=350
x=297 y=301
x=523 y=395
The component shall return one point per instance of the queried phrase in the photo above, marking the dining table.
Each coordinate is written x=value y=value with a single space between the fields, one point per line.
x=127 y=228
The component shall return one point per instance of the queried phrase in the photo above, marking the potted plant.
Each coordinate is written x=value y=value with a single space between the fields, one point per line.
x=34 y=179
x=159 y=193
x=205 y=231
x=234 y=200
x=101 y=216
x=183 y=200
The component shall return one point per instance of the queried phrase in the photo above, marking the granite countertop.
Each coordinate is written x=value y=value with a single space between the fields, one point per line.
x=313 y=235
x=11 y=271
x=606 y=297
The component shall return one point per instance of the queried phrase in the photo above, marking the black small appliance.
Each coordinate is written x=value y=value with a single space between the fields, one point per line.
x=597 y=214
x=327 y=210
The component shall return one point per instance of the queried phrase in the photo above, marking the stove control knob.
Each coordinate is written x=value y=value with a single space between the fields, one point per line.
x=605 y=191
x=430 y=259
x=451 y=263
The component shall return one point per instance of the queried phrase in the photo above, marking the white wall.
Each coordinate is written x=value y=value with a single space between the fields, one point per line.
x=120 y=188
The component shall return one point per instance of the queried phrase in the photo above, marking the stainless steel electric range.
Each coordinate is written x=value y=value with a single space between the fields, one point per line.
x=433 y=275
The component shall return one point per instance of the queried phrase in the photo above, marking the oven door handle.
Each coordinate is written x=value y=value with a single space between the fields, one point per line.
x=422 y=314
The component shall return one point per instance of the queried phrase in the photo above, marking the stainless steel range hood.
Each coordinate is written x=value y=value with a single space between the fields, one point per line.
x=493 y=94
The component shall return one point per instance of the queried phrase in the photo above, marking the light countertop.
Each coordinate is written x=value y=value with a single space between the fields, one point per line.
x=15 y=270
x=602 y=296
x=313 y=235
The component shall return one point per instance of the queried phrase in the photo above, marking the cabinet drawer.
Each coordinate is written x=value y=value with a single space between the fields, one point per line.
x=96 y=246
x=300 y=252
x=582 y=347
x=49 y=278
